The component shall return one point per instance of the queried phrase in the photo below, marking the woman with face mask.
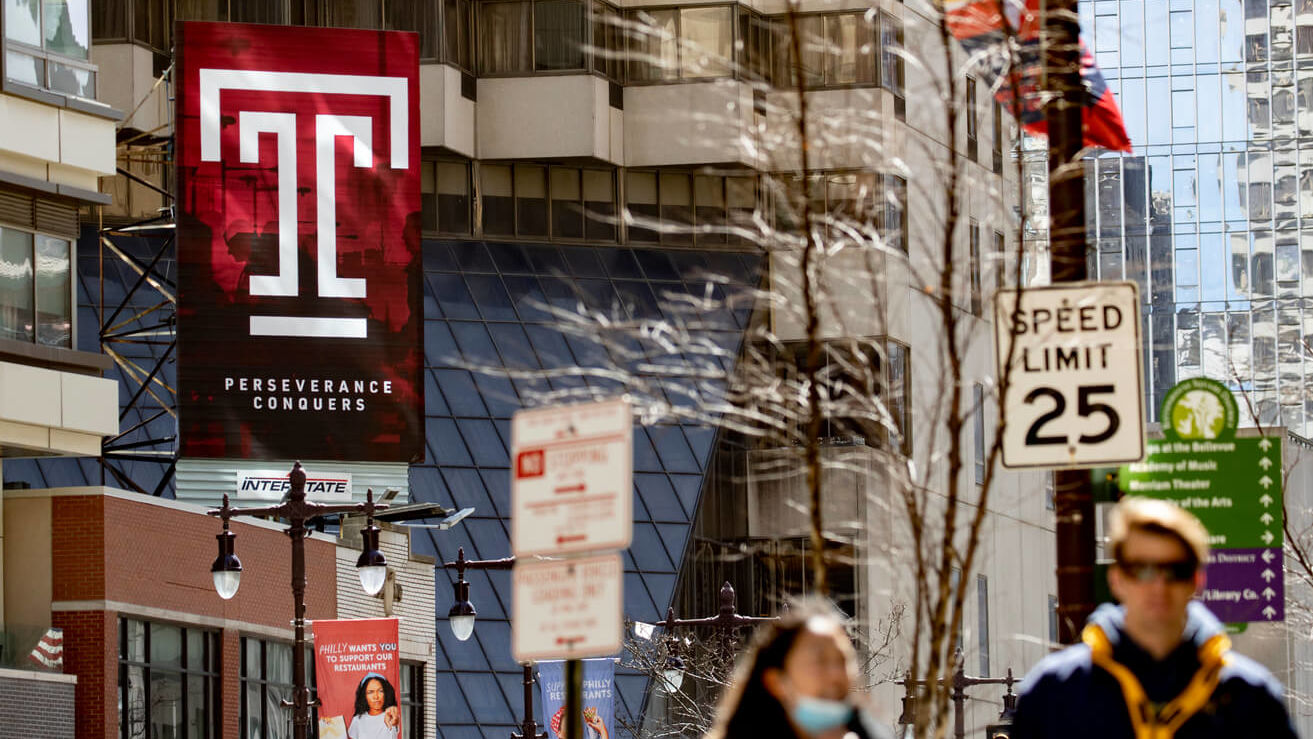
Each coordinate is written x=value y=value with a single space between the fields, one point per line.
x=795 y=681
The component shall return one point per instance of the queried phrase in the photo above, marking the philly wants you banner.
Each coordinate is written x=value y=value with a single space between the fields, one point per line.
x=357 y=674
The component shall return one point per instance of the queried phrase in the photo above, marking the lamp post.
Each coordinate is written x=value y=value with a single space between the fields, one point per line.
x=960 y=681
x=726 y=622
x=227 y=569
x=461 y=619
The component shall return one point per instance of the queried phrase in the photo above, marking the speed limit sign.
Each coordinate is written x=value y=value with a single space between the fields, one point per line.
x=1075 y=394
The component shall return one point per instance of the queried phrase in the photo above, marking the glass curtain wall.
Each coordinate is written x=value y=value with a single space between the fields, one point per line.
x=1213 y=214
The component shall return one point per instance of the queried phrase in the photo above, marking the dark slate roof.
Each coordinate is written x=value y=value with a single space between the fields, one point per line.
x=486 y=308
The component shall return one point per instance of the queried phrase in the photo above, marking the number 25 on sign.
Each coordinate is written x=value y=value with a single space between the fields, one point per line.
x=1071 y=356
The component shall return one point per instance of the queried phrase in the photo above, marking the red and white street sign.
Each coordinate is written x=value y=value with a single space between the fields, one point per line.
x=567 y=609
x=572 y=478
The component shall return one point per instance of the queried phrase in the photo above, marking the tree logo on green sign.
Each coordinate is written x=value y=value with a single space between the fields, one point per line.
x=1199 y=408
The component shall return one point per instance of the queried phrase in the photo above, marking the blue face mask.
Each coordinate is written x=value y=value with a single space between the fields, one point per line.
x=819 y=715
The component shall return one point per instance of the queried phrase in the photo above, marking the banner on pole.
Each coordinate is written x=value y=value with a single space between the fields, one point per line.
x=598 y=697
x=357 y=674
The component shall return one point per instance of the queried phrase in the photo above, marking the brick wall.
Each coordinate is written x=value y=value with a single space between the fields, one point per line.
x=91 y=652
x=151 y=556
x=36 y=708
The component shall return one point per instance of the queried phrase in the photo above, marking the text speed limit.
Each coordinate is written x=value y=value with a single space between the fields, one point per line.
x=1071 y=356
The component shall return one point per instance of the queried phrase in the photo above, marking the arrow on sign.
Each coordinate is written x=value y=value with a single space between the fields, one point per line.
x=1265 y=481
x=1267 y=537
x=1264 y=444
x=1269 y=612
x=1265 y=499
x=1268 y=593
x=1266 y=518
x=1268 y=556
x=1264 y=462
x=1268 y=575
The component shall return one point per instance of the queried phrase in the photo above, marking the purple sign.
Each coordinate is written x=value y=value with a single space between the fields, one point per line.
x=1245 y=585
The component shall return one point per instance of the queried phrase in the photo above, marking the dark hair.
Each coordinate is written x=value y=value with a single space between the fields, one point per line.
x=748 y=709
x=389 y=695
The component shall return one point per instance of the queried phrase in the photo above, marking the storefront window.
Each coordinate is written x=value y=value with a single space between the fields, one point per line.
x=168 y=681
x=266 y=682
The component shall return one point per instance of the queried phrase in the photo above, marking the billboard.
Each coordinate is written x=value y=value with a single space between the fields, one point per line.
x=299 y=319
x=358 y=678
x=598 y=697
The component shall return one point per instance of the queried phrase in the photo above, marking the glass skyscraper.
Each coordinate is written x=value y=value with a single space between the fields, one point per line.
x=1207 y=214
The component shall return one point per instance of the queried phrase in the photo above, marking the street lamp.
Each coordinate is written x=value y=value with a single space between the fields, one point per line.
x=227 y=569
x=960 y=681
x=462 y=613
x=726 y=622
x=461 y=618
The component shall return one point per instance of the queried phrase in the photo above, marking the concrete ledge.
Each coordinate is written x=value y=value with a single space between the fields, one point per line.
x=48 y=677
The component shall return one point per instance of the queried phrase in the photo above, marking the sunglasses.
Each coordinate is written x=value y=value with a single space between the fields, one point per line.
x=1178 y=571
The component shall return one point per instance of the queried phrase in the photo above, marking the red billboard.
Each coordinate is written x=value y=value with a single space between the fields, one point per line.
x=298 y=215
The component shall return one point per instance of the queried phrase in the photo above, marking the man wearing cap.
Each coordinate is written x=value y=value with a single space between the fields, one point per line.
x=1160 y=664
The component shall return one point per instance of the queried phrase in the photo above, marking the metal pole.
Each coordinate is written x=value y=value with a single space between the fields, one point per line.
x=1073 y=493
x=300 y=692
x=959 y=698
x=528 y=727
x=574 y=699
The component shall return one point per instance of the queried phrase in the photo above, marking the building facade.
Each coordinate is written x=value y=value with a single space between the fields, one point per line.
x=612 y=194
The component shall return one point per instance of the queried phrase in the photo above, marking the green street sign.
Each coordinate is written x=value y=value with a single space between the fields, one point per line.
x=1233 y=487
x=1199 y=408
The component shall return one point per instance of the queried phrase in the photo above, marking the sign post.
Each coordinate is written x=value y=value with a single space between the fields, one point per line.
x=1233 y=485
x=571 y=497
x=1075 y=392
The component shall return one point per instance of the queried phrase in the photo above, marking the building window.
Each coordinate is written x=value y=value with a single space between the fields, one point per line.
x=168 y=681
x=978 y=408
x=899 y=382
x=973 y=238
x=557 y=203
x=36 y=288
x=999 y=137
x=841 y=202
x=982 y=622
x=1000 y=260
x=608 y=42
x=838 y=49
x=266 y=679
x=235 y=11
x=681 y=43
x=412 y=699
x=445 y=196
x=524 y=36
x=682 y=208
x=756 y=46
x=973 y=121
x=1050 y=494
x=458 y=34
x=421 y=17
x=891 y=62
x=1053 y=620
x=893 y=225
x=48 y=45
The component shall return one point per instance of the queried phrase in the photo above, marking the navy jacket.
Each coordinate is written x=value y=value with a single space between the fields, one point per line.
x=1067 y=697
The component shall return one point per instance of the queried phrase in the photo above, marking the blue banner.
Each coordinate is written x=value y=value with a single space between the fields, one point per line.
x=598 y=697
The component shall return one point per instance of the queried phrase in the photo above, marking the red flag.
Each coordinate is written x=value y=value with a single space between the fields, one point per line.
x=982 y=27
